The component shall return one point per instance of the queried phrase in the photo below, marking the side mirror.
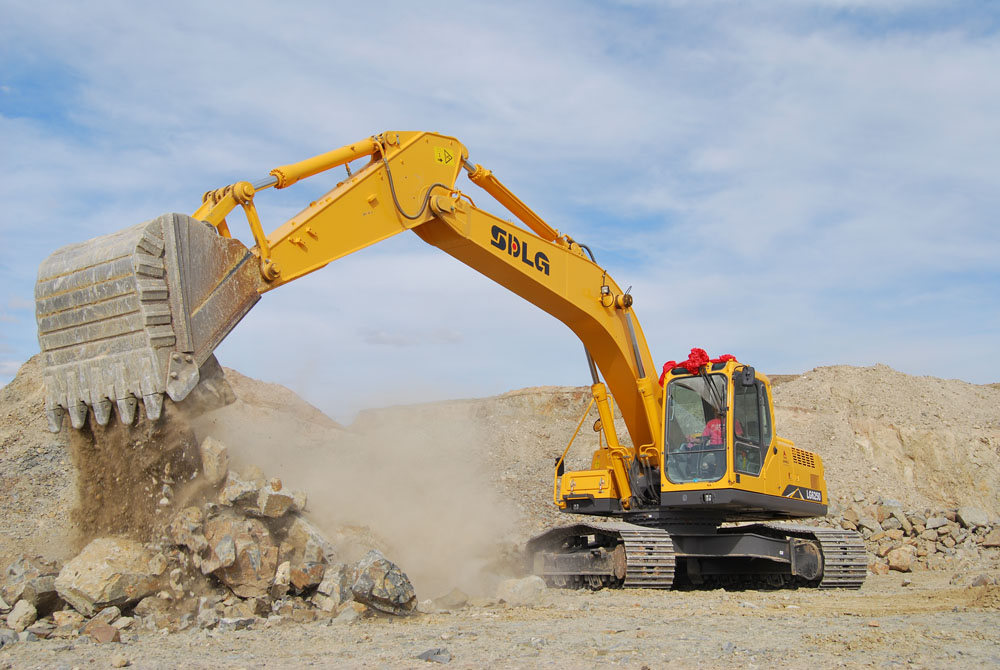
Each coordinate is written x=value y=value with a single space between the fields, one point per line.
x=749 y=376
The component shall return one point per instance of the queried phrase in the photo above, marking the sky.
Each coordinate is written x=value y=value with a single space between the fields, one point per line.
x=796 y=183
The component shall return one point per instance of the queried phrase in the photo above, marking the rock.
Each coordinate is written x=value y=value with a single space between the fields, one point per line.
x=982 y=580
x=27 y=636
x=851 y=514
x=68 y=618
x=185 y=529
x=930 y=534
x=307 y=575
x=349 y=615
x=123 y=622
x=895 y=534
x=868 y=522
x=936 y=522
x=238 y=491
x=903 y=521
x=992 y=538
x=521 y=592
x=214 y=461
x=22 y=615
x=102 y=633
x=337 y=582
x=972 y=517
x=453 y=600
x=309 y=553
x=107 y=615
x=236 y=623
x=120 y=661
x=243 y=554
x=7 y=636
x=282 y=579
x=380 y=584
x=274 y=503
x=40 y=629
x=436 y=655
x=32 y=579
x=109 y=571
x=900 y=559
x=892 y=523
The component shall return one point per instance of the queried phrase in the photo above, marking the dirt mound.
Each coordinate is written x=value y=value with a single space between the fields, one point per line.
x=36 y=479
x=924 y=441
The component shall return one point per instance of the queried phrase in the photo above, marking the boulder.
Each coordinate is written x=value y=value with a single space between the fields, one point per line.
x=214 y=461
x=238 y=491
x=308 y=552
x=282 y=580
x=243 y=554
x=273 y=502
x=32 y=579
x=900 y=559
x=868 y=522
x=992 y=539
x=972 y=517
x=381 y=585
x=335 y=588
x=23 y=615
x=109 y=571
x=936 y=522
x=521 y=592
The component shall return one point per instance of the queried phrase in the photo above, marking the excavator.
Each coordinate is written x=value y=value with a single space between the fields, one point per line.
x=691 y=496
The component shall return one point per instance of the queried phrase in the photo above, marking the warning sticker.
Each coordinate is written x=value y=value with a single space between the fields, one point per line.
x=442 y=155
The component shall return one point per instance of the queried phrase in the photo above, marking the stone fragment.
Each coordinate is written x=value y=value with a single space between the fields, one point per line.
x=41 y=629
x=349 y=615
x=102 y=633
x=120 y=661
x=32 y=578
x=436 y=655
x=930 y=534
x=244 y=556
x=453 y=600
x=109 y=571
x=900 y=559
x=185 y=529
x=335 y=587
x=936 y=522
x=521 y=592
x=895 y=534
x=238 y=491
x=878 y=568
x=7 y=636
x=273 y=502
x=306 y=575
x=282 y=579
x=892 y=523
x=972 y=517
x=868 y=522
x=68 y=618
x=992 y=538
x=903 y=521
x=214 y=461
x=124 y=622
x=380 y=584
x=982 y=580
x=107 y=615
x=851 y=514
x=306 y=543
x=235 y=623
x=21 y=616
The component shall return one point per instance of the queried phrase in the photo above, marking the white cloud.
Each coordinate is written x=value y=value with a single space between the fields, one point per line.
x=789 y=188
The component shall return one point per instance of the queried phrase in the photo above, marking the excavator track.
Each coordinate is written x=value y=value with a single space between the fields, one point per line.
x=649 y=561
x=845 y=562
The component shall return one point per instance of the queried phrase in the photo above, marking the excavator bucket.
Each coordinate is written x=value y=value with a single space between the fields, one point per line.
x=133 y=315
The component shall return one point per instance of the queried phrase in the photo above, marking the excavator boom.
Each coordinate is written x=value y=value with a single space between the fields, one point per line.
x=131 y=316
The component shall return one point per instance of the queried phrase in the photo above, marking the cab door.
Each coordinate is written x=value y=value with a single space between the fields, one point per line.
x=751 y=437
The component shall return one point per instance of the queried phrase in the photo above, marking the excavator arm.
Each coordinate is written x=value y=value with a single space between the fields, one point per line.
x=134 y=315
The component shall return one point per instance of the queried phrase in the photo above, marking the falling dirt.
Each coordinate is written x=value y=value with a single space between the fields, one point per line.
x=131 y=477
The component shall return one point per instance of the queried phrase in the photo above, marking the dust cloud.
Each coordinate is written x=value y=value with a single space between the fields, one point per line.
x=412 y=482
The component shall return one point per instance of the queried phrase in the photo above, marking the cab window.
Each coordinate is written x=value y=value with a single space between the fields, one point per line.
x=696 y=429
x=748 y=448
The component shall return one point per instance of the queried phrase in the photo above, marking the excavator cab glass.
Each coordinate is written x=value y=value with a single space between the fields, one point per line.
x=696 y=428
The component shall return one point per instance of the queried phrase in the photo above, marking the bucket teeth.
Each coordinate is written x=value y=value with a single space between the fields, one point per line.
x=102 y=411
x=55 y=417
x=126 y=410
x=78 y=416
x=154 y=405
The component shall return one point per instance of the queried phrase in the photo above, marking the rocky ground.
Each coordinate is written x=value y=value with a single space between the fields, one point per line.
x=263 y=533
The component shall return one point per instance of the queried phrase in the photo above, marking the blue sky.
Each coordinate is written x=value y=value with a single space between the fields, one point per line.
x=796 y=183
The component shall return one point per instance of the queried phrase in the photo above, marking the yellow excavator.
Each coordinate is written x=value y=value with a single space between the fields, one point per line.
x=125 y=319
